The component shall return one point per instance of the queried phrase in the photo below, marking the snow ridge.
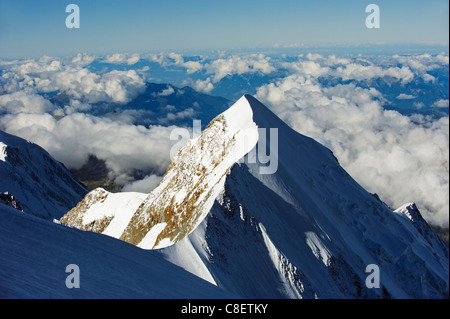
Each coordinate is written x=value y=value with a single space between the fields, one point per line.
x=186 y=193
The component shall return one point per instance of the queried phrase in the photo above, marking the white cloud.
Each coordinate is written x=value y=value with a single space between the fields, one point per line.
x=357 y=69
x=218 y=68
x=158 y=58
x=359 y=72
x=83 y=59
x=166 y=92
x=118 y=58
x=255 y=63
x=418 y=105
x=115 y=58
x=145 y=185
x=120 y=86
x=428 y=78
x=314 y=56
x=189 y=112
x=203 y=86
x=133 y=59
x=403 y=96
x=50 y=75
x=332 y=60
x=441 y=103
x=421 y=64
x=124 y=147
x=307 y=68
x=25 y=102
x=442 y=58
x=193 y=66
x=177 y=59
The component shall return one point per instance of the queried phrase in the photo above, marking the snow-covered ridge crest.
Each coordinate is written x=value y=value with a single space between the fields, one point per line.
x=104 y=212
x=194 y=179
x=185 y=195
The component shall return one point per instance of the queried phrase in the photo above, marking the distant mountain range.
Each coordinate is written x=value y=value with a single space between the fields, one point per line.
x=160 y=104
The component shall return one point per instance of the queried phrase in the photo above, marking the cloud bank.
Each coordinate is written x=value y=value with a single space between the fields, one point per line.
x=330 y=98
x=79 y=83
x=125 y=148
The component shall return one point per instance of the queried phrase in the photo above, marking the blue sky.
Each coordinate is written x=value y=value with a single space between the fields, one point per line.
x=34 y=28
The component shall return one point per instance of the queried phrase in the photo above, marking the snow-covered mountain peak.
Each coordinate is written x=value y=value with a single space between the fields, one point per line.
x=193 y=180
x=240 y=114
x=305 y=229
x=187 y=191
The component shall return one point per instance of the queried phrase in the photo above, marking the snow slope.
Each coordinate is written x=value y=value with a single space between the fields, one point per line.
x=35 y=253
x=42 y=185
